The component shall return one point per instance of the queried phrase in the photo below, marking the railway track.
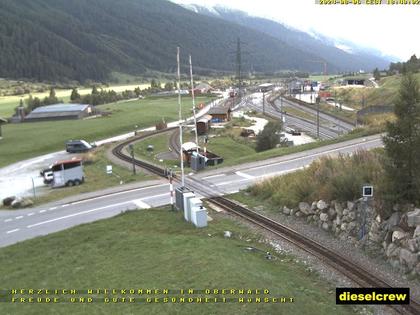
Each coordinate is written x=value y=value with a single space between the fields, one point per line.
x=174 y=142
x=118 y=151
x=349 y=269
x=345 y=124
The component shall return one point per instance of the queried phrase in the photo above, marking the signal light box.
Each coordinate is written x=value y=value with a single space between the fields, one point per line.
x=367 y=191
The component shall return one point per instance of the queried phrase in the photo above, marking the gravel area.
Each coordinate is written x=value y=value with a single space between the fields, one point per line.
x=375 y=265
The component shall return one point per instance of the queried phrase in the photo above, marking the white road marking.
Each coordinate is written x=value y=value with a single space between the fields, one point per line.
x=76 y=214
x=30 y=214
x=244 y=175
x=19 y=217
x=12 y=231
x=213 y=176
x=8 y=220
x=142 y=205
x=52 y=208
x=63 y=206
x=156 y=196
x=42 y=211
x=116 y=194
x=233 y=192
x=232 y=181
x=281 y=172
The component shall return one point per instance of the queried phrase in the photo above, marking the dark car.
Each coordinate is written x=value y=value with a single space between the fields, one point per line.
x=78 y=146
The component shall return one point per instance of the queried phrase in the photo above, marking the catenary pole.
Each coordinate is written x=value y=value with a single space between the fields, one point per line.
x=180 y=119
x=193 y=104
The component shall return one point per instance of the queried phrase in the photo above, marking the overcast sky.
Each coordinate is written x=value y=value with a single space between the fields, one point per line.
x=393 y=29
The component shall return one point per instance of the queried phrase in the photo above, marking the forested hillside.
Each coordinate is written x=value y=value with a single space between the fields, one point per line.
x=58 y=40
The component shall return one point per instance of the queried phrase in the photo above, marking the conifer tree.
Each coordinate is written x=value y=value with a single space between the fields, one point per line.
x=402 y=144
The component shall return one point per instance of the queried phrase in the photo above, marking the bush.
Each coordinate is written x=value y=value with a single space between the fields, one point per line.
x=328 y=178
x=269 y=137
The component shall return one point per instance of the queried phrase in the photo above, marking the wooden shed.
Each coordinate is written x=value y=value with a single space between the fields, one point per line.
x=203 y=124
x=220 y=114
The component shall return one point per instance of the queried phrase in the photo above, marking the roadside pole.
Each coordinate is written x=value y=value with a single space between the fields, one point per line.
x=33 y=187
x=131 y=147
x=281 y=109
x=317 y=117
x=171 y=189
x=264 y=103
x=367 y=193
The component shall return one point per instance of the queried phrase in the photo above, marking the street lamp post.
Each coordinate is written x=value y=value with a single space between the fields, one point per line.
x=264 y=103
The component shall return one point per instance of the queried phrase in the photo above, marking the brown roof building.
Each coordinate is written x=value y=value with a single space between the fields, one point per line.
x=220 y=114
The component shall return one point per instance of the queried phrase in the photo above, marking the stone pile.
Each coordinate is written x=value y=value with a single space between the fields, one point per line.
x=357 y=222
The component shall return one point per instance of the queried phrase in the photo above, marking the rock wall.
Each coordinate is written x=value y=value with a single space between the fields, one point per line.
x=397 y=238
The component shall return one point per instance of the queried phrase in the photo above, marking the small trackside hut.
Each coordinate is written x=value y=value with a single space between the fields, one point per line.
x=203 y=125
x=67 y=173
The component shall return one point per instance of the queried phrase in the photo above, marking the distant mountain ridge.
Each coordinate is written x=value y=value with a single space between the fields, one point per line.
x=61 y=40
x=355 y=58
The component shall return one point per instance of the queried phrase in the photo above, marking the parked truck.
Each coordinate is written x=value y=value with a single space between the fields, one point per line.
x=67 y=173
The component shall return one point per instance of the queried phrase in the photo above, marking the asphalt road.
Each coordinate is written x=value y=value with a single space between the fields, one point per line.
x=24 y=224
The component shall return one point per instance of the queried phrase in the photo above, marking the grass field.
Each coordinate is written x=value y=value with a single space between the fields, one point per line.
x=9 y=103
x=322 y=78
x=225 y=143
x=22 y=141
x=157 y=249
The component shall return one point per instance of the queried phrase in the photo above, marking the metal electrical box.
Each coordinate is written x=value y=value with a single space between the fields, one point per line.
x=179 y=197
x=198 y=162
x=187 y=205
x=199 y=216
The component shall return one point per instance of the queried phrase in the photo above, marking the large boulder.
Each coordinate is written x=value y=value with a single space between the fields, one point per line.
x=413 y=245
x=17 y=203
x=338 y=208
x=286 y=210
x=399 y=235
x=337 y=221
x=26 y=202
x=351 y=205
x=409 y=258
x=392 y=251
x=305 y=208
x=417 y=269
x=321 y=205
x=413 y=218
x=332 y=213
x=7 y=202
x=417 y=232
x=352 y=225
x=323 y=217
x=393 y=220
x=325 y=226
